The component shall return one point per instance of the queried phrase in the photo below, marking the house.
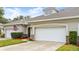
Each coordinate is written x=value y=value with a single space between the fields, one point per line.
x=54 y=27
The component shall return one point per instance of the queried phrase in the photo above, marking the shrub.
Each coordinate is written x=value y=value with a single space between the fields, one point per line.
x=1 y=33
x=73 y=37
x=16 y=34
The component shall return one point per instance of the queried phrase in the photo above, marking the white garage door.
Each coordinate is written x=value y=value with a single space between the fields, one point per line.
x=8 y=33
x=50 y=34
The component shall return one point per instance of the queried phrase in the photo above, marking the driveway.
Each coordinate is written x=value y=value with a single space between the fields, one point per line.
x=33 y=46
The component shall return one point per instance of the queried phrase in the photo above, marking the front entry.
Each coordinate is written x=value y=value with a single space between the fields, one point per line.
x=29 y=30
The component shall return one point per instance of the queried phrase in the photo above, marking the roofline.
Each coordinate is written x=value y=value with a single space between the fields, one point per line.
x=14 y=24
x=70 y=17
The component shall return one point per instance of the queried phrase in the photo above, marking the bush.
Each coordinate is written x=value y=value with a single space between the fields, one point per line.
x=73 y=37
x=2 y=36
x=16 y=34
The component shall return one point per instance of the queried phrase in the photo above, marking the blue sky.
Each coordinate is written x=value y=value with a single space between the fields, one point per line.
x=12 y=12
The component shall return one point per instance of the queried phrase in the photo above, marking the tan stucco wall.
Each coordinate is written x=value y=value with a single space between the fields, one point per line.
x=71 y=24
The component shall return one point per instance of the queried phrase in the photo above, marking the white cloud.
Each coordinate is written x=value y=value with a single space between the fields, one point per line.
x=36 y=12
x=14 y=12
x=11 y=13
x=33 y=12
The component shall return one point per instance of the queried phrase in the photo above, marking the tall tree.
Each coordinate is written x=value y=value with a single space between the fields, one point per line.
x=2 y=19
x=21 y=17
x=18 y=18
x=50 y=10
x=1 y=12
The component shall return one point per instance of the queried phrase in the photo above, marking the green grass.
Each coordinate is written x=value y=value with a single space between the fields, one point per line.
x=69 y=47
x=10 y=42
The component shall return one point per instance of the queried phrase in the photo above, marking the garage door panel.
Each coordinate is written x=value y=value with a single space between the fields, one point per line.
x=50 y=34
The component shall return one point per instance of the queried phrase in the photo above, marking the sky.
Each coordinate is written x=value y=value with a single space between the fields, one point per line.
x=12 y=12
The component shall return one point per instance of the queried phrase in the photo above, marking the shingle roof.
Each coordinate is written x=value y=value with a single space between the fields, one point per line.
x=18 y=22
x=68 y=11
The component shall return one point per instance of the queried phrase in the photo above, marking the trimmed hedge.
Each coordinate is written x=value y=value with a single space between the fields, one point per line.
x=16 y=34
x=73 y=37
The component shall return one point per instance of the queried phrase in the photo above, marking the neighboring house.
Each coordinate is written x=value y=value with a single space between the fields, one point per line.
x=54 y=27
x=15 y=26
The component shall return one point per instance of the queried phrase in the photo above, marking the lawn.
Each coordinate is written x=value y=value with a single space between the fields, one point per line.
x=10 y=42
x=69 y=47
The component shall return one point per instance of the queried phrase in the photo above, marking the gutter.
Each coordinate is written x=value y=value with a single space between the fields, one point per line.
x=9 y=24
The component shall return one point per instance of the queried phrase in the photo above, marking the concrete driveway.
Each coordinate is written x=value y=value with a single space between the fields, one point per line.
x=33 y=46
